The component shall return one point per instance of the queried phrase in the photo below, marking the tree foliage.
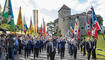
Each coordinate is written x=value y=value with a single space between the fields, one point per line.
x=100 y=19
x=50 y=26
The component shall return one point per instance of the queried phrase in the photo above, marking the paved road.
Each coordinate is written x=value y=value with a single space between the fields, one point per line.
x=43 y=56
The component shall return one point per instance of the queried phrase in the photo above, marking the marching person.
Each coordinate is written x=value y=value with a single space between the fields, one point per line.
x=32 y=45
x=94 y=42
x=10 y=45
x=69 y=46
x=20 y=45
x=2 y=46
x=89 y=48
x=81 y=44
x=58 y=45
x=36 y=48
x=74 y=42
x=84 y=47
x=62 y=48
x=51 y=49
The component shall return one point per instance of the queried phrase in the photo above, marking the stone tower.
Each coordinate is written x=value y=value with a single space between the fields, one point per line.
x=62 y=14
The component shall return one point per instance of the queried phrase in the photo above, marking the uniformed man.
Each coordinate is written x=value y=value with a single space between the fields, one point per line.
x=94 y=42
x=32 y=45
x=69 y=46
x=10 y=46
x=1 y=46
x=74 y=42
x=62 y=47
x=89 y=48
x=81 y=46
x=58 y=44
x=51 y=51
x=84 y=47
x=36 y=48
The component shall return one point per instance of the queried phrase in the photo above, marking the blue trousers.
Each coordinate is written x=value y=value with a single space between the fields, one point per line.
x=10 y=53
x=2 y=53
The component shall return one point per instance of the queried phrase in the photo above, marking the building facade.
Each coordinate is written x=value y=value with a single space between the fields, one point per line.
x=65 y=19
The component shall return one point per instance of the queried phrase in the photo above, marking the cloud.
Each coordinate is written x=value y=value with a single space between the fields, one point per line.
x=47 y=8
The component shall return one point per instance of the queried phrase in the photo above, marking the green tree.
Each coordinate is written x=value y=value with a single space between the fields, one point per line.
x=50 y=26
x=100 y=19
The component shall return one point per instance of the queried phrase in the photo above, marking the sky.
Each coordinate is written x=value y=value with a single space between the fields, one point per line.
x=48 y=9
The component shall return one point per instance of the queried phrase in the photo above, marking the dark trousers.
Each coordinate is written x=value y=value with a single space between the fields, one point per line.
x=36 y=52
x=84 y=51
x=58 y=50
x=32 y=48
x=75 y=54
x=81 y=47
x=29 y=51
x=40 y=49
x=62 y=52
x=20 y=49
x=89 y=54
x=94 y=53
x=10 y=53
x=26 y=52
x=52 y=56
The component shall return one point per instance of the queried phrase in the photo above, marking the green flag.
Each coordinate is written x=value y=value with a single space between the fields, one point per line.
x=8 y=14
x=5 y=10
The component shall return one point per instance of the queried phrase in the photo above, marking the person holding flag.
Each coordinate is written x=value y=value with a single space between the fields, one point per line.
x=95 y=28
x=95 y=24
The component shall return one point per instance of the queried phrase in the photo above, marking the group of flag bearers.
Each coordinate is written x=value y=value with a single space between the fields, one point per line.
x=13 y=45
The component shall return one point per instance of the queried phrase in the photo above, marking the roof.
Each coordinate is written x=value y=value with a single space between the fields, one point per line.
x=65 y=7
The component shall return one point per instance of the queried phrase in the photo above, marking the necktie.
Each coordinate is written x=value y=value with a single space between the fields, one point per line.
x=52 y=47
x=90 y=44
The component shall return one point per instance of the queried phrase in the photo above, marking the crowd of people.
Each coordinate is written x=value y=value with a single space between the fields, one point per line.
x=11 y=45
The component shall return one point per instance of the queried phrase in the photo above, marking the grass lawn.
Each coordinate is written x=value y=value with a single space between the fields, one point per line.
x=100 y=45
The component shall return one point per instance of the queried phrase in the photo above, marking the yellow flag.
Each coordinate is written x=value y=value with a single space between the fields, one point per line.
x=19 y=21
x=31 y=27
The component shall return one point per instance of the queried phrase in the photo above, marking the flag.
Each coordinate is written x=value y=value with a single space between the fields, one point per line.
x=19 y=21
x=24 y=30
x=47 y=32
x=41 y=31
x=71 y=30
x=76 y=26
x=31 y=27
x=10 y=16
x=88 y=27
x=44 y=28
x=94 y=32
x=25 y=25
x=5 y=9
x=68 y=31
x=78 y=33
x=95 y=22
